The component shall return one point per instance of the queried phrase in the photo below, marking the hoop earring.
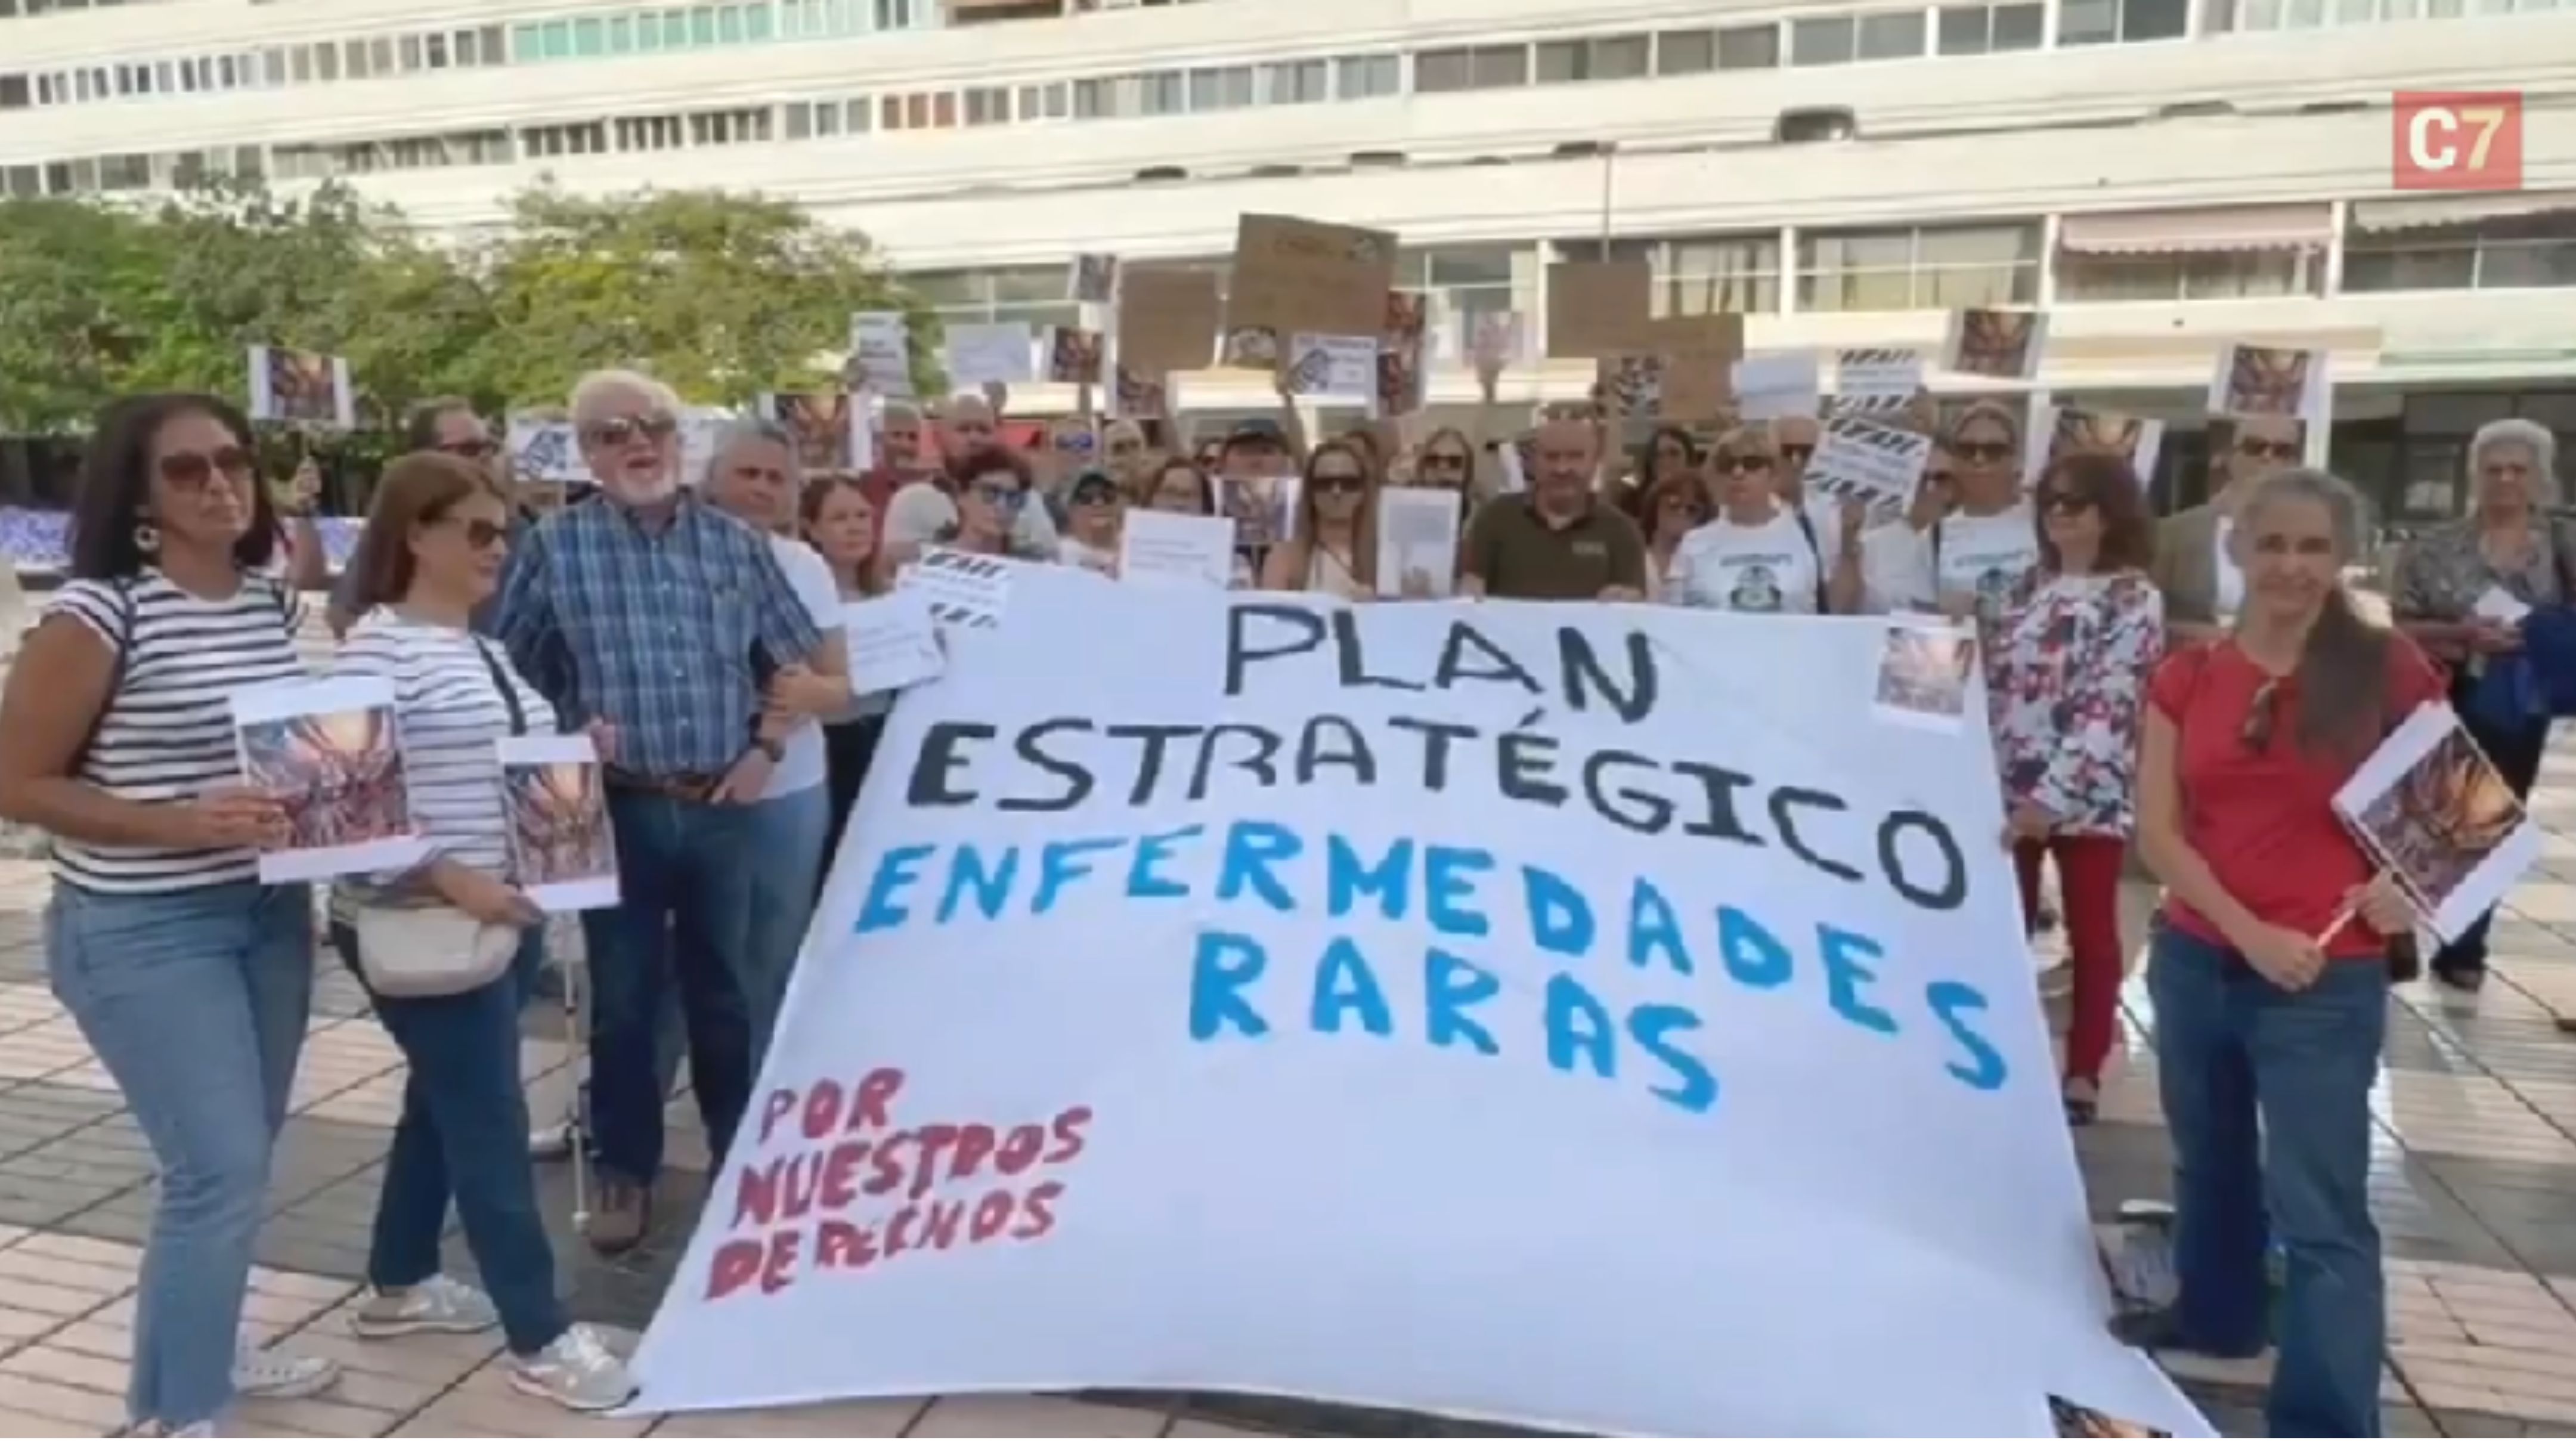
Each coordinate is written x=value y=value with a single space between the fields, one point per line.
x=147 y=539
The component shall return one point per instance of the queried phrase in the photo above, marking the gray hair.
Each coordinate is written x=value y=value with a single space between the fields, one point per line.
x=2527 y=435
x=2341 y=501
x=596 y=385
x=744 y=433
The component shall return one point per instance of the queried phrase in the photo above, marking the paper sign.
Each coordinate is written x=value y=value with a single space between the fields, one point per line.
x=563 y=850
x=308 y=388
x=961 y=590
x=1141 y=395
x=893 y=641
x=1632 y=386
x=2269 y=382
x=1876 y=381
x=1094 y=279
x=1326 y=366
x=549 y=452
x=1774 y=385
x=1496 y=339
x=1168 y=319
x=1292 y=276
x=981 y=353
x=2067 y=430
x=1399 y=356
x=330 y=751
x=830 y=428
x=1699 y=354
x=2500 y=606
x=1167 y=549
x=1073 y=355
x=1599 y=309
x=1264 y=510
x=1924 y=666
x=1994 y=342
x=1875 y=463
x=2441 y=819
x=1417 y=543
x=881 y=346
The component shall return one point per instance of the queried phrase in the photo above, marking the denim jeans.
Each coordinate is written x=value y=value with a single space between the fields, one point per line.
x=463 y=1135
x=790 y=833
x=685 y=872
x=2268 y=1095
x=196 y=1002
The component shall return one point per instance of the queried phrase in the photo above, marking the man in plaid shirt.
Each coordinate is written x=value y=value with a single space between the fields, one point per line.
x=644 y=607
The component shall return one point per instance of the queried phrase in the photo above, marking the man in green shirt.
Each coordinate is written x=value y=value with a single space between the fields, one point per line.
x=1556 y=541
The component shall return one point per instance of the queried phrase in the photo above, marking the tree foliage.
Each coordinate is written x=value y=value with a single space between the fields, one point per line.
x=723 y=296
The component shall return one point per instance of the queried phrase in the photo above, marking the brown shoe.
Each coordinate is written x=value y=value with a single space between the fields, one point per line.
x=620 y=1214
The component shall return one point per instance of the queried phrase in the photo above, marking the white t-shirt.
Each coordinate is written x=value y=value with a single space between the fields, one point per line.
x=1982 y=555
x=1074 y=553
x=919 y=512
x=2230 y=579
x=1765 y=568
x=802 y=764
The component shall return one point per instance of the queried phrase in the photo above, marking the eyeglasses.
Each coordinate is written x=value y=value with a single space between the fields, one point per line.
x=620 y=432
x=2256 y=733
x=1444 y=460
x=472 y=450
x=2056 y=500
x=195 y=471
x=1338 y=483
x=1005 y=496
x=1743 y=462
x=1092 y=495
x=1982 y=452
x=2279 y=451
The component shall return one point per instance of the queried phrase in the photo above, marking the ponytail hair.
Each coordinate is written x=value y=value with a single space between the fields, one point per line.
x=2343 y=666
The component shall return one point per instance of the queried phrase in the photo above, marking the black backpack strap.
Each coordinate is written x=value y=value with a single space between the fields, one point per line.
x=121 y=661
x=501 y=682
x=1807 y=526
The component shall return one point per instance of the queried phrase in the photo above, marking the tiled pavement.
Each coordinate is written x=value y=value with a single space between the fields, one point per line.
x=2475 y=1187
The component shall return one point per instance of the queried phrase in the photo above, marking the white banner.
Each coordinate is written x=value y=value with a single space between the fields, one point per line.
x=1586 y=1016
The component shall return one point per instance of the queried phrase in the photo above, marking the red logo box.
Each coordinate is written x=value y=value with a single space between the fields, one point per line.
x=2458 y=141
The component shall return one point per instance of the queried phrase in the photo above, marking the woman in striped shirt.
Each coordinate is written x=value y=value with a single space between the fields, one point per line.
x=189 y=978
x=431 y=554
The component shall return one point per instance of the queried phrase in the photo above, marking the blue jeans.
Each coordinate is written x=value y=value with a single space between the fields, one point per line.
x=464 y=1134
x=196 y=1002
x=685 y=873
x=791 y=833
x=2267 y=1093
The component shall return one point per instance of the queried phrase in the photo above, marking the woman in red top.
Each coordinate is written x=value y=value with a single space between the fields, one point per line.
x=2267 y=973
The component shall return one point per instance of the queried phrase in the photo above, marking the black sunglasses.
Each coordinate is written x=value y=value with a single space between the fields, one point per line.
x=473 y=450
x=2062 y=500
x=1982 y=452
x=2256 y=733
x=196 y=470
x=2279 y=452
x=1743 y=462
x=618 y=432
x=1091 y=491
x=1444 y=460
x=1338 y=483
x=482 y=533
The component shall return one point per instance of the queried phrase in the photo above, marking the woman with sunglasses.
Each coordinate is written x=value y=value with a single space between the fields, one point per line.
x=2267 y=971
x=993 y=489
x=1447 y=459
x=2195 y=565
x=1179 y=485
x=431 y=554
x=2073 y=650
x=189 y=978
x=841 y=526
x=1755 y=555
x=1091 y=518
x=1334 y=550
x=1963 y=560
x=1670 y=452
x=1671 y=509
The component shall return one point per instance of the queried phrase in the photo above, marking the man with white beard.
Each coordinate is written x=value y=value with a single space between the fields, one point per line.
x=642 y=607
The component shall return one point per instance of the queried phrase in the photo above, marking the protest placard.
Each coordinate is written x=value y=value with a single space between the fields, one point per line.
x=563 y=849
x=1876 y=381
x=306 y=388
x=1165 y=549
x=1167 y=319
x=1417 y=542
x=2064 y=430
x=330 y=752
x=1166 y=1017
x=1599 y=309
x=1292 y=275
x=1774 y=385
x=2269 y=382
x=1995 y=342
x=982 y=353
x=2440 y=819
x=1874 y=462
x=881 y=351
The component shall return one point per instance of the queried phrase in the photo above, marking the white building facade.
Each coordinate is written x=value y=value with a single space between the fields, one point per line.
x=2161 y=175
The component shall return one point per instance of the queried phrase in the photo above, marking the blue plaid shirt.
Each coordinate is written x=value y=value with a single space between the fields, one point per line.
x=652 y=631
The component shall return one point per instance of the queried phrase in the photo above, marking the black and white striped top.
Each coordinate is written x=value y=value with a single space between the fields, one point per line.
x=453 y=719
x=167 y=732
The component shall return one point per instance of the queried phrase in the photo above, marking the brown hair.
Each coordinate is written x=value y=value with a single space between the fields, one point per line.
x=1149 y=481
x=1651 y=502
x=2107 y=482
x=819 y=488
x=420 y=430
x=416 y=488
x=1300 y=546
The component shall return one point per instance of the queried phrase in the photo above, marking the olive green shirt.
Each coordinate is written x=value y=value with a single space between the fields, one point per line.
x=1521 y=555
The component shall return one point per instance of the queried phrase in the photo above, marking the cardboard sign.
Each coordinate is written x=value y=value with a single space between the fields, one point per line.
x=1699 y=364
x=1293 y=275
x=1599 y=309
x=1167 y=319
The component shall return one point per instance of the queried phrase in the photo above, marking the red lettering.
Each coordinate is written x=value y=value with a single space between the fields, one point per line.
x=839 y=1187
x=780 y=1270
x=822 y=1110
x=1020 y=1151
x=755 y=1195
x=945 y=1219
x=736 y=1264
x=904 y=1217
x=775 y=1110
x=1068 y=1135
x=872 y=1105
x=839 y=1244
x=885 y=1165
x=796 y=1196
x=1037 y=1211
x=991 y=1215
x=974 y=1144
x=935 y=1138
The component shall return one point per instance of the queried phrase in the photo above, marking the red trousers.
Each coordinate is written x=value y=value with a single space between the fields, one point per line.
x=2088 y=884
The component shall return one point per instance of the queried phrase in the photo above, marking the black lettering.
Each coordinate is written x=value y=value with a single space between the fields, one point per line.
x=1651 y=812
x=1490 y=663
x=1351 y=750
x=1346 y=647
x=1717 y=791
x=1584 y=673
x=1157 y=741
x=1436 y=739
x=1241 y=652
x=1525 y=768
x=1954 y=885
x=942 y=755
x=1262 y=767
x=1790 y=798
x=1078 y=779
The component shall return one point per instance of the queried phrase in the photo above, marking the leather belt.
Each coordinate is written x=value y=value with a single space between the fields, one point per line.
x=695 y=789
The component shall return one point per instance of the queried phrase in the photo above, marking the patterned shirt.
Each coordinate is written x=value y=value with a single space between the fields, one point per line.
x=2443 y=573
x=652 y=631
x=2070 y=660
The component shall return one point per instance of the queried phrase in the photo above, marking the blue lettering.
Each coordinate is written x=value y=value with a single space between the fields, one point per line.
x=1577 y=1027
x=1695 y=1087
x=1451 y=984
x=1061 y=863
x=1151 y=851
x=1752 y=954
x=1344 y=983
x=1449 y=889
x=1653 y=927
x=1252 y=847
x=1847 y=957
x=968 y=877
x=1348 y=877
x=1221 y=967
x=1560 y=918
x=896 y=869
x=1950 y=1001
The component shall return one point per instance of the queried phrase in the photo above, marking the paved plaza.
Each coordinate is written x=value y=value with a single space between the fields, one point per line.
x=2475 y=1186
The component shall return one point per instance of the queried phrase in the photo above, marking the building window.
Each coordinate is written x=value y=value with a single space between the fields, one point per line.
x=1224 y=88
x=1898 y=35
x=1471 y=68
x=2190 y=276
x=1361 y=77
x=1827 y=40
x=1607 y=57
x=988 y=106
x=2495 y=254
x=1044 y=102
x=2125 y=22
x=1990 y=29
x=729 y=128
x=1295 y=83
x=1918 y=268
x=1685 y=52
x=648 y=133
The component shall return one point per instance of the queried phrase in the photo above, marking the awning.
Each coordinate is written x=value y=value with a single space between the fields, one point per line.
x=2406 y=213
x=2204 y=229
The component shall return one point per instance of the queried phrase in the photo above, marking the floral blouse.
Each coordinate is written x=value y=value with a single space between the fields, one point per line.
x=2069 y=664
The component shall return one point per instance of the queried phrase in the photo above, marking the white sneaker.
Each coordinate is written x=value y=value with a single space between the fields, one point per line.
x=436 y=1304
x=576 y=1371
x=273 y=1373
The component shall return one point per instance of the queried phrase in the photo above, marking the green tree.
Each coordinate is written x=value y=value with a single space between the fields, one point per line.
x=75 y=279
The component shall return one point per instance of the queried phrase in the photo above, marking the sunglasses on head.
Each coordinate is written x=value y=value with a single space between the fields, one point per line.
x=196 y=470
x=2276 y=450
x=1743 y=462
x=1983 y=452
x=619 y=432
x=473 y=450
x=2256 y=733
